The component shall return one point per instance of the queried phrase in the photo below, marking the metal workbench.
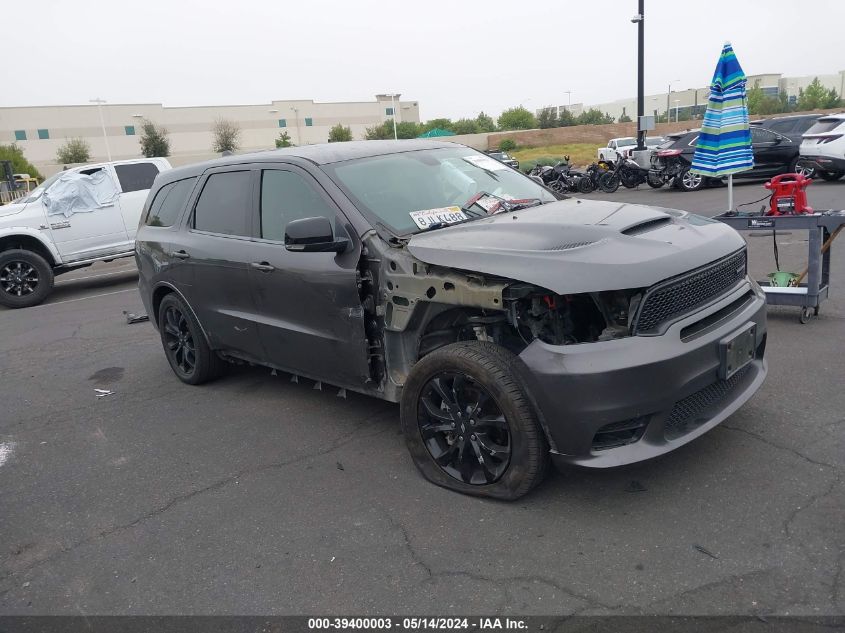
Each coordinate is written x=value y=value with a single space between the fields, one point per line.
x=819 y=225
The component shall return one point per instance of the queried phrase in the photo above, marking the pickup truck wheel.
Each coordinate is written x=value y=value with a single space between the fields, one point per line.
x=189 y=355
x=25 y=278
x=469 y=425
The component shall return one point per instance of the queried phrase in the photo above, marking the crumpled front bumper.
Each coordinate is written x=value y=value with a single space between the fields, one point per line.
x=669 y=385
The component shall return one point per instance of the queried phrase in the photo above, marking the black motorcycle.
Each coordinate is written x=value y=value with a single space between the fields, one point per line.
x=627 y=173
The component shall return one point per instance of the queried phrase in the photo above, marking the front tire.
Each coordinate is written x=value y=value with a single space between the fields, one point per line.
x=25 y=278
x=469 y=425
x=187 y=351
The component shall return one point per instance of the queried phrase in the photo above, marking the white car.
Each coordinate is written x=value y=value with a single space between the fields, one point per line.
x=73 y=219
x=823 y=146
x=624 y=146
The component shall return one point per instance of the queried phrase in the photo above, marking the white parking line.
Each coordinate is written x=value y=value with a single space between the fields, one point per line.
x=6 y=450
x=104 y=294
x=116 y=272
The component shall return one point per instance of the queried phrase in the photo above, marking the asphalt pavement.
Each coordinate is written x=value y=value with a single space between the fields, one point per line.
x=257 y=495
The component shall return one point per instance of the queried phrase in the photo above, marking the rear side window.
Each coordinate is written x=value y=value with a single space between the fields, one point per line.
x=803 y=125
x=824 y=125
x=782 y=126
x=224 y=204
x=287 y=196
x=169 y=202
x=136 y=176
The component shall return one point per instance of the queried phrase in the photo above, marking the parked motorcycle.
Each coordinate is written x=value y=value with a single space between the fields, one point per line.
x=668 y=166
x=627 y=173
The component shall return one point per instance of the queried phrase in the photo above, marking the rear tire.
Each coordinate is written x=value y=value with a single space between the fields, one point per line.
x=689 y=181
x=830 y=176
x=185 y=347
x=470 y=389
x=654 y=181
x=585 y=185
x=25 y=278
x=796 y=168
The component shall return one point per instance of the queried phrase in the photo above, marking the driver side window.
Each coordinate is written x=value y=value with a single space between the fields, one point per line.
x=288 y=196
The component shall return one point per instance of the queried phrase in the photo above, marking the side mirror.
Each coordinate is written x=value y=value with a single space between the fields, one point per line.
x=313 y=235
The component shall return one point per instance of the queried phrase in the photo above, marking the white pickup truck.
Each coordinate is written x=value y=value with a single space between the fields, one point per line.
x=73 y=219
x=617 y=147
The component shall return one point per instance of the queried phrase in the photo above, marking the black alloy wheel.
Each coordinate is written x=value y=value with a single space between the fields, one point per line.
x=26 y=278
x=179 y=341
x=18 y=278
x=464 y=429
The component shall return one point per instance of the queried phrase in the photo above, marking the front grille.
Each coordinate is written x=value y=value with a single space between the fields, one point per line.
x=675 y=297
x=687 y=413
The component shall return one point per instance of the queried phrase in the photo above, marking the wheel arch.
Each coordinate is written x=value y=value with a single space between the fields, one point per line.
x=160 y=292
x=28 y=240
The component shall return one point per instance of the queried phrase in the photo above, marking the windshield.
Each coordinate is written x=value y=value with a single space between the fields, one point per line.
x=653 y=140
x=626 y=142
x=389 y=189
x=40 y=189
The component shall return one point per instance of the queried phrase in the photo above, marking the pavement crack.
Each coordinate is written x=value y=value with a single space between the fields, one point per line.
x=787 y=449
x=408 y=544
x=346 y=438
x=813 y=499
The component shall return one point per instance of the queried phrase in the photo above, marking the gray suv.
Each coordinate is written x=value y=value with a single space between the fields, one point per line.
x=513 y=327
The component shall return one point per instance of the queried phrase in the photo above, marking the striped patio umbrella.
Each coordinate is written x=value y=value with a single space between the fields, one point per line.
x=723 y=147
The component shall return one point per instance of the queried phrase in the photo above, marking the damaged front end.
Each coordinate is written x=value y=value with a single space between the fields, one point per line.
x=423 y=307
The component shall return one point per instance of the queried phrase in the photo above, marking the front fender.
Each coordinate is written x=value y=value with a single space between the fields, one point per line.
x=11 y=231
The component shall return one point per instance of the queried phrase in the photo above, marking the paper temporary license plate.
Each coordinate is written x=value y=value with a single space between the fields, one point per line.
x=737 y=350
x=431 y=217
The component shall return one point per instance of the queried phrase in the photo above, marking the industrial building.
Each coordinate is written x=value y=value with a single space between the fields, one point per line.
x=41 y=130
x=689 y=101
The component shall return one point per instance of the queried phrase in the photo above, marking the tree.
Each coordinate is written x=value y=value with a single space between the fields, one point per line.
x=154 y=141
x=74 y=150
x=507 y=145
x=283 y=140
x=517 y=118
x=406 y=129
x=227 y=135
x=817 y=97
x=465 y=126
x=442 y=124
x=593 y=116
x=339 y=133
x=20 y=165
x=548 y=118
x=380 y=132
x=485 y=123
x=624 y=118
x=566 y=118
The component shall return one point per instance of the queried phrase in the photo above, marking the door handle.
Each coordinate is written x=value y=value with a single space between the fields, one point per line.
x=263 y=267
x=180 y=254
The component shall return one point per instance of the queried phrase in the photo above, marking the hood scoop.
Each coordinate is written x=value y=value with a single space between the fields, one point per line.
x=648 y=225
x=569 y=246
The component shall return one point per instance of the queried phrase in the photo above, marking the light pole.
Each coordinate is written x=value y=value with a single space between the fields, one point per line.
x=677 y=101
x=568 y=94
x=668 y=95
x=100 y=103
x=639 y=20
x=393 y=110
x=298 y=131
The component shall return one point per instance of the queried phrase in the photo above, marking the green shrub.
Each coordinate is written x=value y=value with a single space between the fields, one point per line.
x=507 y=145
x=20 y=165
x=73 y=150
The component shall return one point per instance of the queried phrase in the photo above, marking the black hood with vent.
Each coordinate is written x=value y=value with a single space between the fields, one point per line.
x=573 y=246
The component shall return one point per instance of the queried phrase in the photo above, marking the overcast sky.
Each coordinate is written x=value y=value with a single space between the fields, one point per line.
x=454 y=57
